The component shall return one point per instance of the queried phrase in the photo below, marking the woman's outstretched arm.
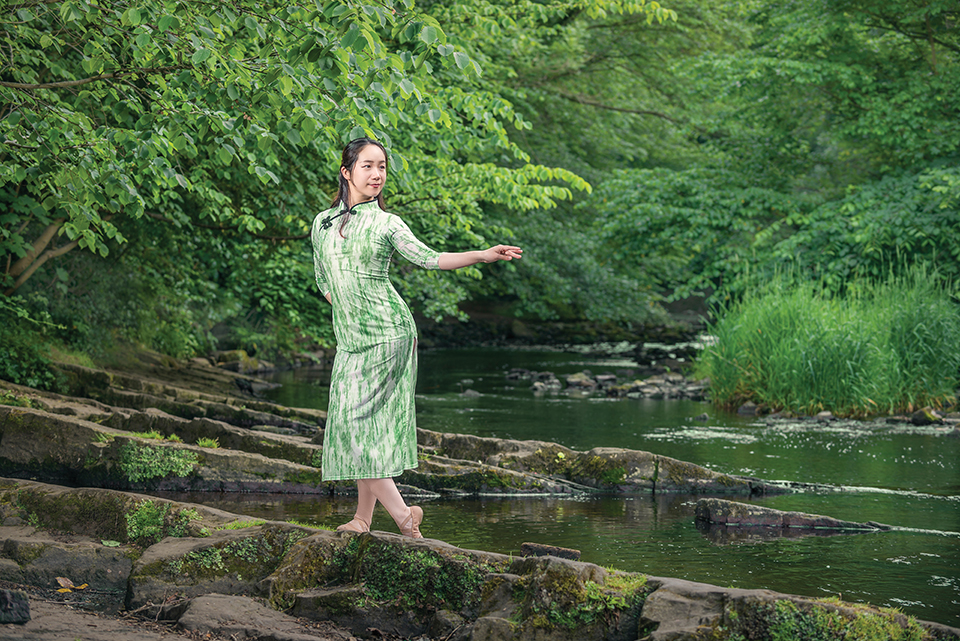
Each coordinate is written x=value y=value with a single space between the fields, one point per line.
x=456 y=260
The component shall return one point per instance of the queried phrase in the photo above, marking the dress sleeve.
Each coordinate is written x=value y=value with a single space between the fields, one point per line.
x=318 y=271
x=410 y=246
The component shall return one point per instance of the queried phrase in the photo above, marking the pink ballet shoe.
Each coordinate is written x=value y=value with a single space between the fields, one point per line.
x=354 y=525
x=411 y=525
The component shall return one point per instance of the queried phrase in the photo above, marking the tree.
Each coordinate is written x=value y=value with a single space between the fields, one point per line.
x=168 y=109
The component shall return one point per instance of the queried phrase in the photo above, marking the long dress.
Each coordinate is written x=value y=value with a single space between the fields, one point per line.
x=371 y=429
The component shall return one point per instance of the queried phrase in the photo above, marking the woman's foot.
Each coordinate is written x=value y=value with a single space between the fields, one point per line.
x=411 y=525
x=355 y=525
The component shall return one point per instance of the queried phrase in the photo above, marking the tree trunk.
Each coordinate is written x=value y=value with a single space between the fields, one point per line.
x=38 y=246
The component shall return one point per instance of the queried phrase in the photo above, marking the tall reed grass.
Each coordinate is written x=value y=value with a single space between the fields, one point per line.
x=883 y=347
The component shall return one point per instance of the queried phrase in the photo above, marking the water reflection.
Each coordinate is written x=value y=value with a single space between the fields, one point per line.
x=895 y=474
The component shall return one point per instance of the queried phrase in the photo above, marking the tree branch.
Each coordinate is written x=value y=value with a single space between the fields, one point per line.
x=38 y=246
x=582 y=100
x=225 y=228
x=82 y=81
x=47 y=255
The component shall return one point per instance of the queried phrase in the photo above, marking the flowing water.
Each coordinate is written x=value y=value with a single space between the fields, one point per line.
x=899 y=475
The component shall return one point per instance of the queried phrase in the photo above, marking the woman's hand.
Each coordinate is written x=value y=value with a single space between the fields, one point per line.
x=457 y=260
x=500 y=252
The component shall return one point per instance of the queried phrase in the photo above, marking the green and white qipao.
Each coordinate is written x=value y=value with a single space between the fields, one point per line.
x=371 y=429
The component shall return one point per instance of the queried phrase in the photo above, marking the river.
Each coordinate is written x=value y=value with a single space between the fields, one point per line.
x=896 y=474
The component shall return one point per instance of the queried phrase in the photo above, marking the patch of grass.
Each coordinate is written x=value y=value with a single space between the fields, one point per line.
x=212 y=443
x=144 y=462
x=9 y=397
x=884 y=347
x=151 y=435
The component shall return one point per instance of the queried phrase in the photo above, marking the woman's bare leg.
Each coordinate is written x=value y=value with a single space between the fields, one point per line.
x=366 y=501
x=407 y=518
x=363 y=517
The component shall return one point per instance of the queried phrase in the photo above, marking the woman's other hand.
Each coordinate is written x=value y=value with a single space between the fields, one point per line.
x=501 y=252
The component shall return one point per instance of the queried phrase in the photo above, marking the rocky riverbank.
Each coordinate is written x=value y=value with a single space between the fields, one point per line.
x=190 y=427
x=168 y=425
x=208 y=571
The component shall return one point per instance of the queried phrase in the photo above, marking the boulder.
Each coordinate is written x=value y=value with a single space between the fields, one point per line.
x=735 y=514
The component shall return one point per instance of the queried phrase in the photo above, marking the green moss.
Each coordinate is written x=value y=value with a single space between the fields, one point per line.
x=553 y=596
x=413 y=579
x=97 y=514
x=253 y=556
x=471 y=480
x=786 y=620
x=304 y=477
x=417 y=578
x=151 y=521
x=240 y=525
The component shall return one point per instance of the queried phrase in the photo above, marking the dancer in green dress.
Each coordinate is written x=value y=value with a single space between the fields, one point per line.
x=371 y=431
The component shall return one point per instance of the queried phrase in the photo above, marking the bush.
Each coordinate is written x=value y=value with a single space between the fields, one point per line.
x=23 y=351
x=883 y=347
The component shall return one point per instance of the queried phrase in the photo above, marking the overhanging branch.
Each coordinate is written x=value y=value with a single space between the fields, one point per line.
x=170 y=221
x=583 y=100
x=65 y=84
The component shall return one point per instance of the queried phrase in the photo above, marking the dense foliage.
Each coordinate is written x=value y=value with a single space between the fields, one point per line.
x=162 y=161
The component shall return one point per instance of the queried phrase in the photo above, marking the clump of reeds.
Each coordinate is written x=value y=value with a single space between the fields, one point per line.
x=882 y=347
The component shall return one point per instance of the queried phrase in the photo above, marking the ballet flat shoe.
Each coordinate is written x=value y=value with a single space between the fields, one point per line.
x=354 y=525
x=411 y=525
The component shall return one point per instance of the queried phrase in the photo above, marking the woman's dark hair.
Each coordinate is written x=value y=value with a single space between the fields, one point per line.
x=347 y=161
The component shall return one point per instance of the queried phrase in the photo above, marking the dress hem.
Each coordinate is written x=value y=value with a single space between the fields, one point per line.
x=388 y=475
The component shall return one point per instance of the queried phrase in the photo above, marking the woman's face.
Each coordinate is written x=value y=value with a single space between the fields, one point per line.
x=368 y=174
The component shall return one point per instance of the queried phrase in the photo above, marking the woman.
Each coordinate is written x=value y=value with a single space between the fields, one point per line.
x=371 y=433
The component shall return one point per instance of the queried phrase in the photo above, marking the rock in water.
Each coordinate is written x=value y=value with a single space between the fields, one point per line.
x=538 y=549
x=14 y=606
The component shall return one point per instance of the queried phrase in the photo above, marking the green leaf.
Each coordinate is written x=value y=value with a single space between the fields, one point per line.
x=429 y=34
x=168 y=22
x=200 y=55
x=315 y=53
x=350 y=37
x=254 y=26
x=130 y=17
x=445 y=50
x=435 y=115
x=461 y=59
x=293 y=136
